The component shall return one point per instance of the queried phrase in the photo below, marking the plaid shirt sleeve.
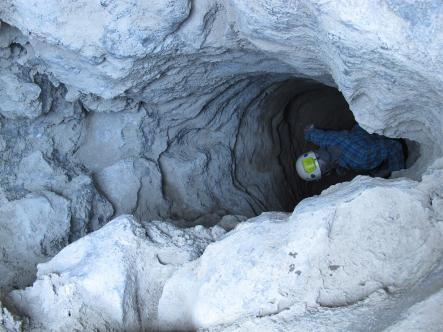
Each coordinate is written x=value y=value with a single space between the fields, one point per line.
x=325 y=138
x=330 y=138
x=359 y=150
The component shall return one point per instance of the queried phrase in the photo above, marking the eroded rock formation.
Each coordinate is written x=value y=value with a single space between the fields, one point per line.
x=192 y=113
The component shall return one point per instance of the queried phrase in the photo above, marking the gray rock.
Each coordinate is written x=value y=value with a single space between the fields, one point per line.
x=229 y=222
x=90 y=210
x=121 y=185
x=19 y=98
x=34 y=173
x=33 y=229
x=109 y=138
x=122 y=265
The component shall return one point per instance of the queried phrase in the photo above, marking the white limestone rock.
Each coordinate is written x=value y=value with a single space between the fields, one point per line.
x=96 y=30
x=334 y=250
x=96 y=104
x=20 y=95
x=136 y=276
x=121 y=28
x=134 y=186
x=111 y=279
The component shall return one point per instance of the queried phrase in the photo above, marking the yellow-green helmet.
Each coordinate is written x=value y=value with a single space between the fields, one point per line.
x=307 y=167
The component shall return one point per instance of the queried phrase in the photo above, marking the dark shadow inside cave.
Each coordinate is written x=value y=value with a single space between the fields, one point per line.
x=271 y=137
x=292 y=107
x=325 y=108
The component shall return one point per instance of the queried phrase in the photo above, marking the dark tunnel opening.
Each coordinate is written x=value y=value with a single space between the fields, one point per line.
x=325 y=108
x=283 y=116
x=272 y=144
x=288 y=110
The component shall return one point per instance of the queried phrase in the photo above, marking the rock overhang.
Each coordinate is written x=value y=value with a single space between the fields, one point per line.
x=241 y=38
x=176 y=112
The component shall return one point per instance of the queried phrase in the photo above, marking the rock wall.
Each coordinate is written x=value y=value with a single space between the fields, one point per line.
x=188 y=111
x=216 y=72
x=244 y=167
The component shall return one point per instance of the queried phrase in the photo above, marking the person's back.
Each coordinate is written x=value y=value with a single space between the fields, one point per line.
x=358 y=150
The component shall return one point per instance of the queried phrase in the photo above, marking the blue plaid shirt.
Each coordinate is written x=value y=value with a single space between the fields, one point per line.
x=359 y=150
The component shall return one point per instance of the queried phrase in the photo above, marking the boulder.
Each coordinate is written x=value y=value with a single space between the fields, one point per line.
x=112 y=278
x=334 y=250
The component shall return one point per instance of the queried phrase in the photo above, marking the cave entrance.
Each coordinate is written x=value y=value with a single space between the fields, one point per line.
x=325 y=108
x=237 y=155
x=273 y=138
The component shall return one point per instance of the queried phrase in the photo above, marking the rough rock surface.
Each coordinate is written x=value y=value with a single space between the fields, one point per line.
x=33 y=229
x=423 y=316
x=219 y=72
x=189 y=111
x=111 y=279
x=8 y=321
x=275 y=262
x=147 y=276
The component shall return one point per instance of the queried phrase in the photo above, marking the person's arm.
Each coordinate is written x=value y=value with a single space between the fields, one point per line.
x=325 y=138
